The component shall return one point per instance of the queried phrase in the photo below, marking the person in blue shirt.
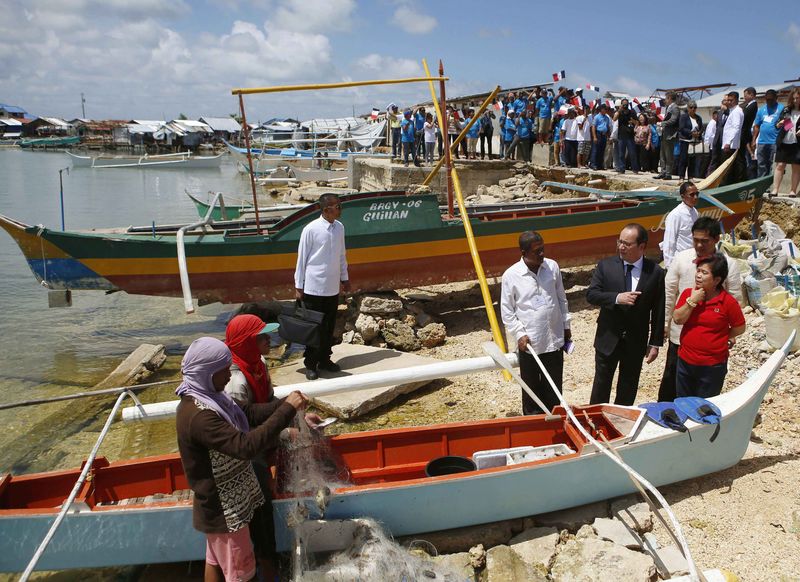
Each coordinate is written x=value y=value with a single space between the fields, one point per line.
x=520 y=104
x=407 y=138
x=523 y=137
x=655 y=142
x=558 y=151
x=543 y=105
x=509 y=131
x=472 y=135
x=601 y=126
x=419 y=141
x=765 y=132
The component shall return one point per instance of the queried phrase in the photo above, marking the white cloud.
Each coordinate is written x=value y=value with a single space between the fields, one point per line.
x=314 y=15
x=631 y=86
x=793 y=33
x=391 y=67
x=410 y=19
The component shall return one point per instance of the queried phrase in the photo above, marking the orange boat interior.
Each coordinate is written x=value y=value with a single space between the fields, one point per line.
x=382 y=458
x=386 y=458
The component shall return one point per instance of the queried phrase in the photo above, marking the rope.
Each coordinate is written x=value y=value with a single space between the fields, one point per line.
x=83 y=394
x=44 y=282
x=630 y=470
x=74 y=493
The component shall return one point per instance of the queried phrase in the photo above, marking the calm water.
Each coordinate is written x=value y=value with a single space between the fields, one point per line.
x=57 y=351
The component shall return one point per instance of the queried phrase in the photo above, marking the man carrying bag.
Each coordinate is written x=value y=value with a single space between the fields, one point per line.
x=320 y=275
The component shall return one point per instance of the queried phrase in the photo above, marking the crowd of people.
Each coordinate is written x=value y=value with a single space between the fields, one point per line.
x=665 y=136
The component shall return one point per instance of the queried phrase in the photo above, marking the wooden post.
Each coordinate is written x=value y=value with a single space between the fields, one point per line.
x=448 y=160
x=246 y=129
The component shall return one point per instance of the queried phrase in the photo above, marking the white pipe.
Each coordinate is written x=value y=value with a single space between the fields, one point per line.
x=330 y=386
x=183 y=270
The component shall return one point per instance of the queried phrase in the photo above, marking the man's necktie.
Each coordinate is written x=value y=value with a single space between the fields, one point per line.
x=628 y=277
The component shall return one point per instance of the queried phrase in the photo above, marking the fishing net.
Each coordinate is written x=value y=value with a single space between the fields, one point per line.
x=310 y=470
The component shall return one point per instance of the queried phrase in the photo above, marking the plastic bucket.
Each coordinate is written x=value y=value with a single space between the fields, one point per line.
x=448 y=466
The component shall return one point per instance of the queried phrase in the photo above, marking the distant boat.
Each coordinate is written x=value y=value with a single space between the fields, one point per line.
x=140 y=511
x=41 y=142
x=394 y=240
x=177 y=160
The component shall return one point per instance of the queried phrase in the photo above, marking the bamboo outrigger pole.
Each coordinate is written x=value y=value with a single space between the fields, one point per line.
x=246 y=129
x=497 y=335
x=315 y=86
x=463 y=134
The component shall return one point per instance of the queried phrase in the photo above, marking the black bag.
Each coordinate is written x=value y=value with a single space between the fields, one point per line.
x=300 y=325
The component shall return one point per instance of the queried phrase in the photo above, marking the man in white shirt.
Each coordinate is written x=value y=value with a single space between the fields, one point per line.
x=731 y=140
x=534 y=308
x=680 y=275
x=678 y=226
x=320 y=275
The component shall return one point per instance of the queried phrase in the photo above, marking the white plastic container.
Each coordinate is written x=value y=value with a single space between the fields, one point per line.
x=495 y=457
x=538 y=453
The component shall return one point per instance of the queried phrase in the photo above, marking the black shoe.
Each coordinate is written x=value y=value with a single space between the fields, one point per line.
x=311 y=374
x=329 y=367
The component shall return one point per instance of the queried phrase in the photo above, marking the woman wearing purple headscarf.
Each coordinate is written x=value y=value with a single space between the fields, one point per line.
x=217 y=440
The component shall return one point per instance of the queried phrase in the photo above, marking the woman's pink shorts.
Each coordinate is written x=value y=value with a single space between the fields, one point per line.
x=233 y=552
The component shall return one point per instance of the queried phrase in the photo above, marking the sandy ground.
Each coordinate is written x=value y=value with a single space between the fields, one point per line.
x=745 y=519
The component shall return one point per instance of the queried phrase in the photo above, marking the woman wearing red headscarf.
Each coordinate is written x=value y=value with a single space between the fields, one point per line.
x=247 y=336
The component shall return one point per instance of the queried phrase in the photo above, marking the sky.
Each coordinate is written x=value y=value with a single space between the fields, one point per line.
x=157 y=59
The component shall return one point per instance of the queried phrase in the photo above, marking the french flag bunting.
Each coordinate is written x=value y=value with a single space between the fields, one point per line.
x=592 y=104
x=592 y=87
x=560 y=75
x=374 y=114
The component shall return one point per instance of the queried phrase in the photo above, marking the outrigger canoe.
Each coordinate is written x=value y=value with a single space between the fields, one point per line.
x=177 y=160
x=139 y=512
x=393 y=241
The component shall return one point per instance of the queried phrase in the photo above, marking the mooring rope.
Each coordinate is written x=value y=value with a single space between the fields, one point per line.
x=76 y=395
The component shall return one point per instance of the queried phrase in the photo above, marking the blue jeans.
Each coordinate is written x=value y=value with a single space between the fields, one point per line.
x=702 y=381
x=408 y=150
x=626 y=144
x=765 y=153
x=599 y=151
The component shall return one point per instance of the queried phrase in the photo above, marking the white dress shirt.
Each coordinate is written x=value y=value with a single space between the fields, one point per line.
x=680 y=276
x=535 y=304
x=711 y=131
x=321 y=260
x=678 y=231
x=636 y=273
x=732 y=132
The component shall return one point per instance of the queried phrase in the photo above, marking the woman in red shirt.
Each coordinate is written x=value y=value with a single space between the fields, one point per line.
x=711 y=319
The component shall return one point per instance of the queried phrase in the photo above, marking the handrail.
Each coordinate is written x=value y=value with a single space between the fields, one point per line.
x=186 y=289
x=78 y=484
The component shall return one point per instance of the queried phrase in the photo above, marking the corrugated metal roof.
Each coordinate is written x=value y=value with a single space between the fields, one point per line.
x=56 y=122
x=12 y=108
x=191 y=126
x=10 y=121
x=222 y=124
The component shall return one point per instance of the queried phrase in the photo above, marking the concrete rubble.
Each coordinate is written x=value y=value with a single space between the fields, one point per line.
x=355 y=359
x=388 y=320
x=600 y=541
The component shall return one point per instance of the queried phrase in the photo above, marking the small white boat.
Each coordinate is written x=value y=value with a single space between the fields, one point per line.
x=177 y=160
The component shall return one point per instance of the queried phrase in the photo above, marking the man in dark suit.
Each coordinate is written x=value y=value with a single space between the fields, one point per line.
x=716 y=146
x=750 y=107
x=629 y=289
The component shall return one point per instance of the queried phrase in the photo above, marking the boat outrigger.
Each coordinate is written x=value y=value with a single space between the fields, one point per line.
x=140 y=511
x=394 y=240
x=174 y=160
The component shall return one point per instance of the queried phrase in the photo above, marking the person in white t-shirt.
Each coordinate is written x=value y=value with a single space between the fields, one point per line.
x=429 y=129
x=584 y=123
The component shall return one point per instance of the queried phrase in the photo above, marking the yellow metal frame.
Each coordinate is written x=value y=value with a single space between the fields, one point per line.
x=497 y=335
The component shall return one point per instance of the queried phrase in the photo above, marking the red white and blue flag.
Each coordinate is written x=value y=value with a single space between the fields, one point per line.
x=375 y=113
x=592 y=87
x=560 y=75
